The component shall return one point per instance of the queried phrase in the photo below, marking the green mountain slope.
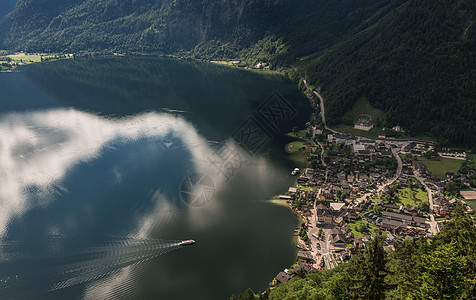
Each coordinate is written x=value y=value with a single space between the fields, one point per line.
x=137 y=25
x=417 y=64
x=414 y=59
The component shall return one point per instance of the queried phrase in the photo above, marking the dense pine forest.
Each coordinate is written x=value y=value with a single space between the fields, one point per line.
x=413 y=59
x=442 y=267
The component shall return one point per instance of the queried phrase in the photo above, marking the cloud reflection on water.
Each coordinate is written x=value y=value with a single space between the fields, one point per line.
x=38 y=149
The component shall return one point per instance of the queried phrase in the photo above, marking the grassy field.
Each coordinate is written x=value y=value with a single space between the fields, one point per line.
x=298 y=157
x=358 y=235
x=472 y=204
x=25 y=57
x=295 y=146
x=28 y=58
x=363 y=107
x=308 y=188
x=412 y=197
x=440 y=166
x=13 y=60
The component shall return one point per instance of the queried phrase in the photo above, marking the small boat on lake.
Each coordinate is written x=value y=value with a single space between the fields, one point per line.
x=187 y=242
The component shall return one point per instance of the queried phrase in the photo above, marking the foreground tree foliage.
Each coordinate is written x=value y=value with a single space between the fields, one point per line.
x=442 y=267
x=368 y=271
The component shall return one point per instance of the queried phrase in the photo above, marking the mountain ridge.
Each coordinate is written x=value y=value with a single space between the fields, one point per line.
x=414 y=59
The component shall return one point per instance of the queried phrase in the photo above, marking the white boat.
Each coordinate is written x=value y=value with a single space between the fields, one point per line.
x=295 y=172
x=187 y=242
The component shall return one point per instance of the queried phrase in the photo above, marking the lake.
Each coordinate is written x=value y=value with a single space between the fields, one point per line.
x=107 y=163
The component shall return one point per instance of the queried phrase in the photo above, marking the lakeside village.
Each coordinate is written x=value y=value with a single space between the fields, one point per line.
x=356 y=188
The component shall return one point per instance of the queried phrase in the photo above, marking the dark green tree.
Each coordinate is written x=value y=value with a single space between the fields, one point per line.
x=368 y=271
x=450 y=187
x=247 y=295
x=314 y=164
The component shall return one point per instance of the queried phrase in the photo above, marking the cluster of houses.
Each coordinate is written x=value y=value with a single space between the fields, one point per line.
x=417 y=149
x=307 y=265
x=302 y=200
x=340 y=214
x=348 y=170
x=357 y=167
x=458 y=155
x=372 y=148
x=397 y=223
x=312 y=177
x=335 y=213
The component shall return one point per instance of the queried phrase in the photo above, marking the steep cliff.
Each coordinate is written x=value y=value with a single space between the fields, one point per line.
x=143 y=25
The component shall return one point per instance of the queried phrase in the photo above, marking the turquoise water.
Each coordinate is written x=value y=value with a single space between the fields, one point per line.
x=95 y=155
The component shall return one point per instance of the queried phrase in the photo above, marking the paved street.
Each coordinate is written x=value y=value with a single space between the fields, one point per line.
x=323 y=251
x=323 y=111
x=433 y=227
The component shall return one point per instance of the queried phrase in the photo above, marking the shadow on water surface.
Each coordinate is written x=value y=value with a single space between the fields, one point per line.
x=214 y=96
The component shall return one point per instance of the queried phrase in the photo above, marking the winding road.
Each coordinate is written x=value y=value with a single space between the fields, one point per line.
x=323 y=111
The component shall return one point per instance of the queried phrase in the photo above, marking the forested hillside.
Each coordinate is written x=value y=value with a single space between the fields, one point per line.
x=417 y=64
x=414 y=59
x=128 y=25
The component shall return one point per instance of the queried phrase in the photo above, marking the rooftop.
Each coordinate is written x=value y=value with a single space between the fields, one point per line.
x=468 y=195
x=397 y=216
x=337 y=206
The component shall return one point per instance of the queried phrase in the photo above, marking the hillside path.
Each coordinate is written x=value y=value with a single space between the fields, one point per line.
x=323 y=110
x=433 y=227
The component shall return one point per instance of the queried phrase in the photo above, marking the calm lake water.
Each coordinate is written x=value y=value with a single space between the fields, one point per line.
x=107 y=163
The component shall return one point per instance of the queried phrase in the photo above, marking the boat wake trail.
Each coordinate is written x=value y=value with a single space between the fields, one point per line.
x=58 y=262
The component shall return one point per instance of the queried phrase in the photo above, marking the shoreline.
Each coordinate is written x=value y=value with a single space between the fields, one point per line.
x=11 y=62
x=284 y=203
x=232 y=65
x=295 y=238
